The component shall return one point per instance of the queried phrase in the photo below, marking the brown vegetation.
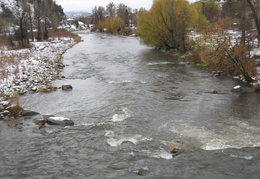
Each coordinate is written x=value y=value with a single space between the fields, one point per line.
x=58 y=33
x=9 y=41
x=126 y=31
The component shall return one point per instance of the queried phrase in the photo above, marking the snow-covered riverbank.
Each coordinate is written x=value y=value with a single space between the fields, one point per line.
x=234 y=38
x=31 y=70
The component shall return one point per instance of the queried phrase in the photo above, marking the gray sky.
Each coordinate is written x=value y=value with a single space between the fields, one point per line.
x=88 y=5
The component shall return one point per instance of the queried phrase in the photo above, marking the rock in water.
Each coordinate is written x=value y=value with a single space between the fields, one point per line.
x=66 y=87
x=29 y=113
x=60 y=121
x=237 y=89
x=175 y=146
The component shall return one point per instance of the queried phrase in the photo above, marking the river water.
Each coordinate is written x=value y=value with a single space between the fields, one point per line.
x=128 y=101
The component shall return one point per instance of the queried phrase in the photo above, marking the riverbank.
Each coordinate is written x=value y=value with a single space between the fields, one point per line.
x=30 y=70
x=202 y=55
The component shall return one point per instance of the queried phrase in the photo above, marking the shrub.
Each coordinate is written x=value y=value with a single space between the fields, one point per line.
x=126 y=31
x=15 y=111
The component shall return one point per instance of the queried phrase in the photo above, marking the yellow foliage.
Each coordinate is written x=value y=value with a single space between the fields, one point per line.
x=114 y=25
x=166 y=24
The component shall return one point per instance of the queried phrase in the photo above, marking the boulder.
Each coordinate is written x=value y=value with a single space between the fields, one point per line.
x=176 y=147
x=60 y=121
x=66 y=87
x=237 y=89
x=29 y=113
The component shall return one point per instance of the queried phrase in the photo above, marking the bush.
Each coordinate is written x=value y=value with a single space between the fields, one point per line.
x=126 y=31
x=15 y=109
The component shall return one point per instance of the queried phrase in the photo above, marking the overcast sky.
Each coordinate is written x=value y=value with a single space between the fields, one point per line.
x=88 y=5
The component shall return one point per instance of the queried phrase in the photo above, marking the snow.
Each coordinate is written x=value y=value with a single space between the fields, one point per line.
x=59 y=119
x=237 y=87
x=28 y=70
x=234 y=37
x=255 y=51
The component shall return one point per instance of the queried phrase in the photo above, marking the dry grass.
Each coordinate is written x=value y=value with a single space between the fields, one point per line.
x=12 y=61
x=58 y=33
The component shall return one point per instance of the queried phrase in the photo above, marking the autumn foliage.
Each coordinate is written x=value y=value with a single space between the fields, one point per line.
x=166 y=24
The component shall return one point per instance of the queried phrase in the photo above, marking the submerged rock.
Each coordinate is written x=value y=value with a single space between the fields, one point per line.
x=29 y=113
x=60 y=121
x=66 y=87
x=177 y=147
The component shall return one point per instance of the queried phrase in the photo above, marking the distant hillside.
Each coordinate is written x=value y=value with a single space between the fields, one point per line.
x=76 y=14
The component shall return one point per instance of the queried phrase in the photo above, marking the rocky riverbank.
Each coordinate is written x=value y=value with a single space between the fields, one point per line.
x=29 y=70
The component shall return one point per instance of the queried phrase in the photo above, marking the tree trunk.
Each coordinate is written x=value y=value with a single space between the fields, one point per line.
x=45 y=34
x=257 y=23
x=31 y=27
x=39 y=35
x=21 y=38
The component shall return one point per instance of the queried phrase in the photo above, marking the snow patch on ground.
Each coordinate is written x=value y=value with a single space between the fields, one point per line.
x=27 y=70
x=234 y=37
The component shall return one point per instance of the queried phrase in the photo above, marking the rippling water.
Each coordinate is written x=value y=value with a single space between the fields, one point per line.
x=128 y=101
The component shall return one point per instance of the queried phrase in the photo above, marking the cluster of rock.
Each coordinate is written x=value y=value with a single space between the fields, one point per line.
x=52 y=120
x=37 y=118
x=10 y=108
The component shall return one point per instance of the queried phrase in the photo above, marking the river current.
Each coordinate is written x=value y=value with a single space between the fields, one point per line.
x=128 y=101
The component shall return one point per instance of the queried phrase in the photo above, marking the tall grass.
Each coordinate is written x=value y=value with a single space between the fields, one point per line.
x=59 y=33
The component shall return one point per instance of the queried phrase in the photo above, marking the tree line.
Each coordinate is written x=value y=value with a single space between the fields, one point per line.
x=27 y=15
x=114 y=18
x=169 y=23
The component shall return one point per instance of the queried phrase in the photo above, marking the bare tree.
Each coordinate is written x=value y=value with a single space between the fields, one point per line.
x=255 y=9
x=98 y=14
x=38 y=11
x=21 y=11
x=123 y=13
x=111 y=10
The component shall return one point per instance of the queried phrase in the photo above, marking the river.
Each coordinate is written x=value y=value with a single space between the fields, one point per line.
x=128 y=101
